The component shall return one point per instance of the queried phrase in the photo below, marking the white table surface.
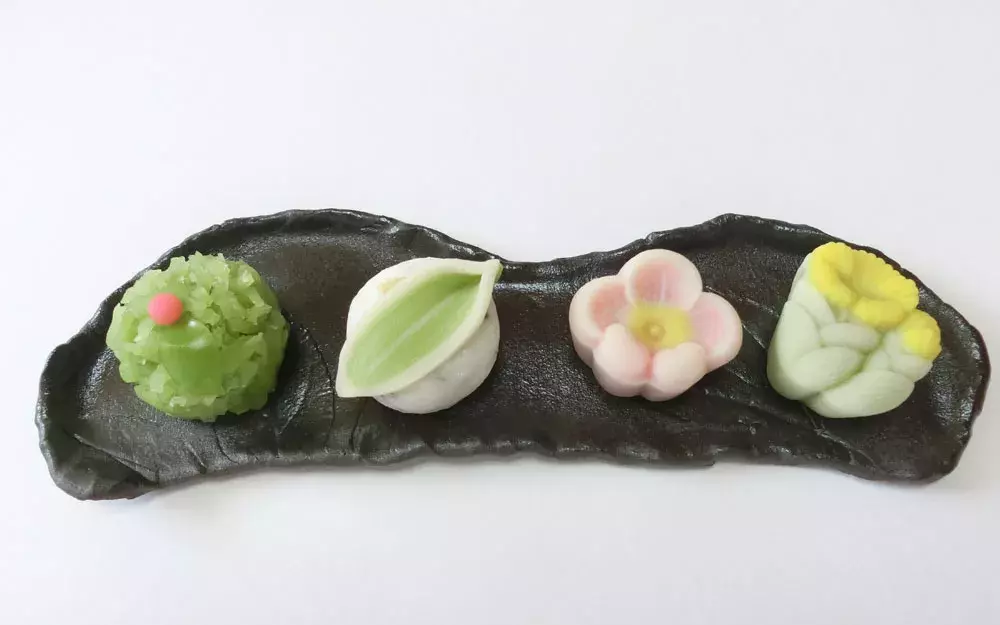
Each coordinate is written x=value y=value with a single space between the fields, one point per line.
x=125 y=127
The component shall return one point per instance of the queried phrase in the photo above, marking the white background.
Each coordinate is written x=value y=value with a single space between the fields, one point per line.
x=125 y=127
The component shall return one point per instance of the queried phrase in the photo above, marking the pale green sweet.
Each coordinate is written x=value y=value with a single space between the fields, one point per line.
x=222 y=355
x=839 y=365
x=403 y=327
x=864 y=394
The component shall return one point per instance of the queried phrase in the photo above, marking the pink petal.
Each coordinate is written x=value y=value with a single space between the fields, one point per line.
x=717 y=328
x=597 y=305
x=621 y=363
x=675 y=371
x=662 y=277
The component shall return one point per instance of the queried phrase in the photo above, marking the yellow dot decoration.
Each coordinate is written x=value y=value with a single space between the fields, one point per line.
x=862 y=283
x=659 y=327
x=921 y=335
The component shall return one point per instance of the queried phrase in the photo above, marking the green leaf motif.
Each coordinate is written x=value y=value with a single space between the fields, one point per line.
x=419 y=322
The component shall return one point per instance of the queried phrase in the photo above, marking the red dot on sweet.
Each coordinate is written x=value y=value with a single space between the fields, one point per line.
x=165 y=309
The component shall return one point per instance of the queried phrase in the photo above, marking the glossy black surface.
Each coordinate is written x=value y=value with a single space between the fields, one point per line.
x=100 y=441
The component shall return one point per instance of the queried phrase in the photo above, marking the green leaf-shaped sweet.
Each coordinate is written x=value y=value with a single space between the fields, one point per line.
x=416 y=327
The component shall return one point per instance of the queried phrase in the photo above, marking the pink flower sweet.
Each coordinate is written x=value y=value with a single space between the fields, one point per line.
x=650 y=330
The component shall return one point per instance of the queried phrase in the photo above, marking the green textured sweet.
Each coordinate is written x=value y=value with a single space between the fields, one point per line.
x=221 y=356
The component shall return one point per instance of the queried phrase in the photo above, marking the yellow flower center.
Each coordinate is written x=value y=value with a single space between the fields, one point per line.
x=921 y=335
x=659 y=327
x=862 y=283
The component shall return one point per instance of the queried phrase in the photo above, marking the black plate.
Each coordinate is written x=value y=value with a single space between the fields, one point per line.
x=102 y=442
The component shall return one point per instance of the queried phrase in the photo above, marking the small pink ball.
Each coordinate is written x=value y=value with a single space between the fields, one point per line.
x=165 y=309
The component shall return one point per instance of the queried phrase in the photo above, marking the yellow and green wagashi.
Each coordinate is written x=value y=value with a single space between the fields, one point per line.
x=850 y=341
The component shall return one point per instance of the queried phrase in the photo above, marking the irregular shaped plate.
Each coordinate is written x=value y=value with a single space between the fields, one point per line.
x=102 y=442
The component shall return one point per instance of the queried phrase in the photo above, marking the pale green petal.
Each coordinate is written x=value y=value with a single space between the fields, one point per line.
x=904 y=361
x=913 y=367
x=892 y=343
x=415 y=327
x=853 y=335
x=878 y=361
x=795 y=335
x=805 y=294
x=821 y=369
x=868 y=393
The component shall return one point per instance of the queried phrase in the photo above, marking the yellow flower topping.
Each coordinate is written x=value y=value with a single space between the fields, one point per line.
x=659 y=327
x=921 y=335
x=862 y=283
